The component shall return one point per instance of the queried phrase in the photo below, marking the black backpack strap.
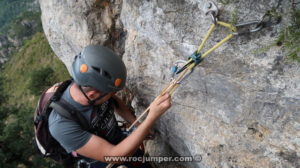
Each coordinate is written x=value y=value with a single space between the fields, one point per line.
x=114 y=102
x=66 y=110
x=60 y=90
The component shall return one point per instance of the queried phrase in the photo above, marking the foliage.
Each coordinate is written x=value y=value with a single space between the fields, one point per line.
x=24 y=25
x=17 y=139
x=20 y=28
x=290 y=37
x=225 y=2
x=33 y=65
x=9 y=9
x=41 y=79
x=34 y=62
x=3 y=96
x=18 y=72
x=233 y=17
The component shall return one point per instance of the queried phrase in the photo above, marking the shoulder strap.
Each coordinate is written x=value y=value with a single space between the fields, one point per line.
x=66 y=110
x=114 y=102
x=60 y=90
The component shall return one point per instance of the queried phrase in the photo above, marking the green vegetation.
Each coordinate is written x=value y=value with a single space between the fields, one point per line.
x=10 y=9
x=30 y=69
x=3 y=97
x=18 y=23
x=233 y=17
x=40 y=79
x=28 y=72
x=225 y=2
x=16 y=140
x=21 y=70
x=24 y=25
x=289 y=37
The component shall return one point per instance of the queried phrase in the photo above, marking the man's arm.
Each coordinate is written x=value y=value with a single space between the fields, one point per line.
x=97 y=148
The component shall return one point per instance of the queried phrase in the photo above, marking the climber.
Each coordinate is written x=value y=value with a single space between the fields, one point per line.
x=98 y=74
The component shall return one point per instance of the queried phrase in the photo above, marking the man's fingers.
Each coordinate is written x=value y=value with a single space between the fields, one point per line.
x=159 y=97
x=160 y=105
x=163 y=98
x=166 y=103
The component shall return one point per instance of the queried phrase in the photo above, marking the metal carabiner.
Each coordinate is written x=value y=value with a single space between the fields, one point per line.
x=266 y=21
x=185 y=77
x=257 y=23
x=82 y=163
x=212 y=9
x=174 y=68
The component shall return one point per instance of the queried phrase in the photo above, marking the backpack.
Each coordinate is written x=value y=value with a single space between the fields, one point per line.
x=46 y=144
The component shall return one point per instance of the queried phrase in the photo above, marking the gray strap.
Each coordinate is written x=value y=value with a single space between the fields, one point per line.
x=64 y=109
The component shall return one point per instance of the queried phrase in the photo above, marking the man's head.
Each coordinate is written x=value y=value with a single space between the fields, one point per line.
x=99 y=68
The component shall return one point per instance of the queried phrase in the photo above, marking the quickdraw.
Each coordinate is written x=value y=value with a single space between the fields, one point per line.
x=239 y=29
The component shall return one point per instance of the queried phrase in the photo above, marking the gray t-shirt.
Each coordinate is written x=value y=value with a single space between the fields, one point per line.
x=67 y=132
x=71 y=136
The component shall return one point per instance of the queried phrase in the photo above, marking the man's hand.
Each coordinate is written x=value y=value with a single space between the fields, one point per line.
x=160 y=105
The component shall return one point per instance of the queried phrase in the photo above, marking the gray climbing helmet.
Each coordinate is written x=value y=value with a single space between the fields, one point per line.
x=99 y=67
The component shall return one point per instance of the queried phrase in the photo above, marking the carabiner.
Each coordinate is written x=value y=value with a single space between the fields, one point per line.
x=174 y=68
x=245 y=25
x=185 y=76
x=267 y=20
x=212 y=9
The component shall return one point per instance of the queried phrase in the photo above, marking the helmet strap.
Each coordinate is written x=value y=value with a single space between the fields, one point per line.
x=91 y=102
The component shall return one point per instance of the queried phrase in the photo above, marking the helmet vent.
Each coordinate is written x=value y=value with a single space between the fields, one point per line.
x=106 y=74
x=102 y=72
x=96 y=69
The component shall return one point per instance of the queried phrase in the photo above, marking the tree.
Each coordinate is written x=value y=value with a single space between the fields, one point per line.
x=2 y=92
x=40 y=79
x=17 y=147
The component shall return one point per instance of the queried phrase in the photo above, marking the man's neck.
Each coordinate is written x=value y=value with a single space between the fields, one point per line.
x=77 y=96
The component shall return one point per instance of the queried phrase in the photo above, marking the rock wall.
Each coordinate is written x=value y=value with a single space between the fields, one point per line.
x=71 y=25
x=240 y=107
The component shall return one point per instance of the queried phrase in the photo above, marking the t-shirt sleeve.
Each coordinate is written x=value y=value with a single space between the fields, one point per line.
x=67 y=132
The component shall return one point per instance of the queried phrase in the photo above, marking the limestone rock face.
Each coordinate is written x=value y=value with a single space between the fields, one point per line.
x=241 y=105
x=71 y=25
